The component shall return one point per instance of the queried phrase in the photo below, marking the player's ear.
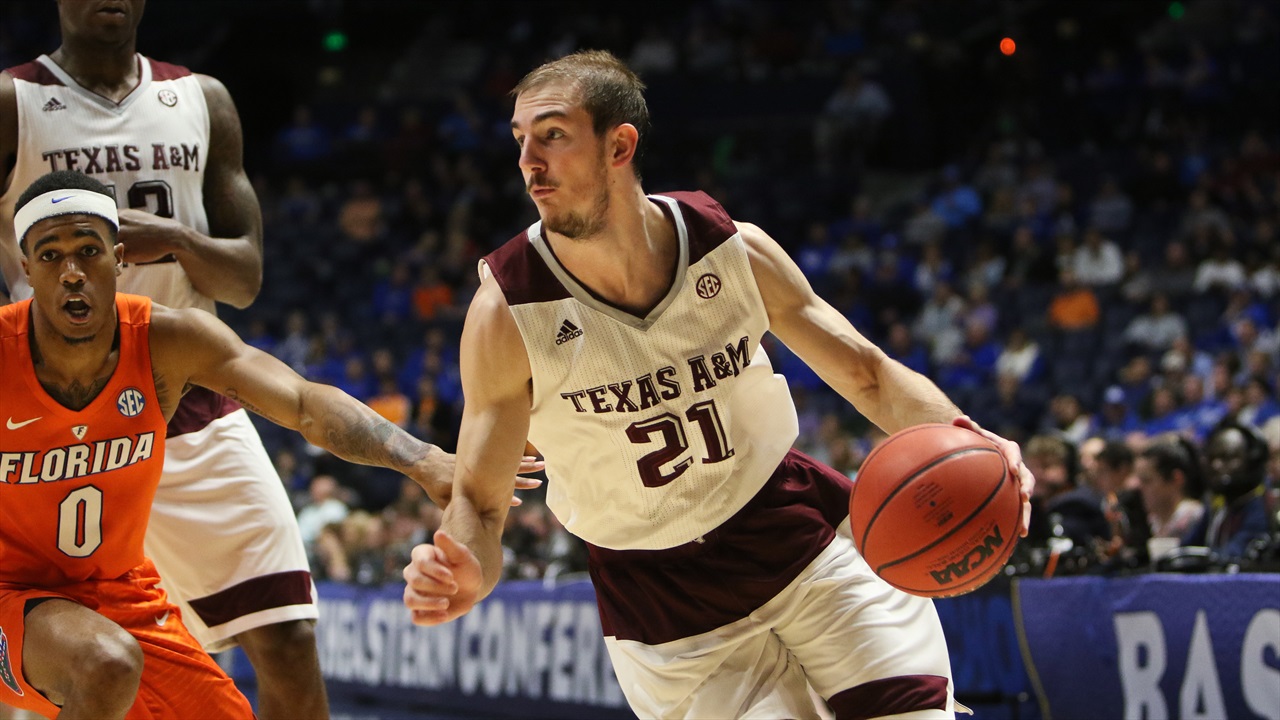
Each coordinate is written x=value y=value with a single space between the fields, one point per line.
x=624 y=139
x=119 y=249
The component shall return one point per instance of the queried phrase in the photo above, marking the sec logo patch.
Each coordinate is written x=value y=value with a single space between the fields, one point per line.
x=130 y=402
x=708 y=286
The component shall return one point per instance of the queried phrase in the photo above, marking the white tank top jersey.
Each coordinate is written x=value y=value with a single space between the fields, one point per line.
x=655 y=429
x=150 y=149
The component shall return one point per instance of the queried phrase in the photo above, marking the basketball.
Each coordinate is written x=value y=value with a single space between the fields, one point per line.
x=935 y=510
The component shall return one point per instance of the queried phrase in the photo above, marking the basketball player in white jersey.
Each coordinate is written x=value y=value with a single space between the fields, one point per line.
x=621 y=336
x=169 y=143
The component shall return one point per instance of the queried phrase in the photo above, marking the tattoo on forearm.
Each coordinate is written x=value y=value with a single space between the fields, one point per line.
x=368 y=438
x=234 y=394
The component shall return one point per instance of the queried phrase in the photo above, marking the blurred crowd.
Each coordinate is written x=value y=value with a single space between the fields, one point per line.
x=1078 y=242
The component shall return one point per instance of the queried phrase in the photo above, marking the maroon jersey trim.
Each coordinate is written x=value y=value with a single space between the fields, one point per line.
x=707 y=222
x=656 y=596
x=265 y=592
x=34 y=72
x=198 y=408
x=522 y=273
x=166 y=71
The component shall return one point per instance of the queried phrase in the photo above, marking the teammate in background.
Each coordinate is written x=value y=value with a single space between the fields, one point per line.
x=621 y=335
x=169 y=144
x=90 y=378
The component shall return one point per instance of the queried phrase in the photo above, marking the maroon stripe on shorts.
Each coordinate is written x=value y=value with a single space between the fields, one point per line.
x=261 y=593
x=655 y=596
x=890 y=696
x=199 y=407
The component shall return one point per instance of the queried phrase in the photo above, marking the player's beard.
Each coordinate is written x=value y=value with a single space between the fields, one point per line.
x=584 y=226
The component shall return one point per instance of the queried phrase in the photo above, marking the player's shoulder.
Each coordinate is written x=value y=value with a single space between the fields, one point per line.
x=33 y=71
x=522 y=273
x=161 y=70
x=706 y=221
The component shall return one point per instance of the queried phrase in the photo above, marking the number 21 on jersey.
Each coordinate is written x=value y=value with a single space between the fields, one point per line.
x=670 y=430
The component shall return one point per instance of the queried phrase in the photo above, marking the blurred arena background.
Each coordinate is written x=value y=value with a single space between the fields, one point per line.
x=1074 y=233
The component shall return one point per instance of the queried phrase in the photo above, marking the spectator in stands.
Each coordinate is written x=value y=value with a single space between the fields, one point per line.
x=392 y=299
x=938 y=324
x=1164 y=414
x=1061 y=506
x=1029 y=263
x=1067 y=419
x=987 y=267
x=901 y=346
x=850 y=121
x=925 y=225
x=431 y=294
x=1202 y=216
x=1259 y=402
x=325 y=507
x=390 y=403
x=932 y=269
x=1008 y=411
x=1115 y=419
x=1074 y=306
x=974 y=364
x=1199 y=413
x=364 y=540
x=1114 y=480
x=1098 y=261
x=1235 y=461
x=1220 y=272
x=957 y=203
x=979 y=308
x=1169 y=478
x=1157 y=329
x=1020 y=357
x=361 y=216
x=305 y=143
x=1111 y=211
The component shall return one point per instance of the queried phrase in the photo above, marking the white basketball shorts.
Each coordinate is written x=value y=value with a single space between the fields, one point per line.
x=224 y=536
x=866 y=647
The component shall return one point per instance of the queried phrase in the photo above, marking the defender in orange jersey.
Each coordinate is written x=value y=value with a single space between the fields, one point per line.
x=88 y=379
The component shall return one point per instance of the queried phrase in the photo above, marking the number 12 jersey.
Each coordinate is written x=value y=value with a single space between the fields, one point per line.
x=150 y=149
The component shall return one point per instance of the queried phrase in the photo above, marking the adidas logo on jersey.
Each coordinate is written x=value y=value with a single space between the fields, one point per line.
x=568 y=331
x=54 y=104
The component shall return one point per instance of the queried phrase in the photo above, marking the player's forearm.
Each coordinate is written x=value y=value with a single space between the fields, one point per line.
x=481 y=532
x=337 y=422
x=901 y=397
x=229 y=270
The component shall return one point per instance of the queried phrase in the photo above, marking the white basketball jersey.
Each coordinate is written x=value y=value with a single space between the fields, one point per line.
x=150 y=148
x=655 y=429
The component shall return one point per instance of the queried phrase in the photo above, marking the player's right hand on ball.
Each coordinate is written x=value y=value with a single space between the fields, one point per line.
x=442 y=581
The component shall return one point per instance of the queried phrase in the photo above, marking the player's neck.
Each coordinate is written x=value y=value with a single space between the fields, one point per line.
x=108 y=71
x=57 y=361
x=630 y=262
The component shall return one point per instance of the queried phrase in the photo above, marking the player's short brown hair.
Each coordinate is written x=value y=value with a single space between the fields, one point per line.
x=609 y=91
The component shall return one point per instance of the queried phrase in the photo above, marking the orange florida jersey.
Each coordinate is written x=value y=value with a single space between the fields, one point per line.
x=77 y=484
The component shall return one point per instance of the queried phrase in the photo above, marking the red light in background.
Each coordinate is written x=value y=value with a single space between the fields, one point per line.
x=1008 y=46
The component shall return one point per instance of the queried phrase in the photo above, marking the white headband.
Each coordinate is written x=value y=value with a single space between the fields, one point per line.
x=64 y=202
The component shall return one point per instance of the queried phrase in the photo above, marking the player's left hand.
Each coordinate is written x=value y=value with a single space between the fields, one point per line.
x=439 y=483
x=1013 y=456
x=148 y=237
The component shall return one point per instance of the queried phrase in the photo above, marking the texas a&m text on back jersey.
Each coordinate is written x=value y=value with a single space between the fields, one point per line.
x=77 y=485
x=150 y=149
x=675 y=395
